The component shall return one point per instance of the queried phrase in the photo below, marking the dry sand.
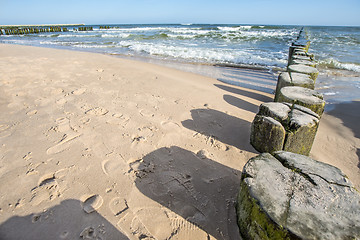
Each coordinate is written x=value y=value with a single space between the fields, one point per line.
x=97 y=147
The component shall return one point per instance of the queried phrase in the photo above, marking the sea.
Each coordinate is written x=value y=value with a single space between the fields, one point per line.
x=227 y=52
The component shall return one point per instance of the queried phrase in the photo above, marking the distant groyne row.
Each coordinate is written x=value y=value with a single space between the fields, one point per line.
x=284 y=194
x=35 y=29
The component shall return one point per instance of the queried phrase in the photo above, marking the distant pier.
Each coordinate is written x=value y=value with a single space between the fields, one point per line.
x=40 y=28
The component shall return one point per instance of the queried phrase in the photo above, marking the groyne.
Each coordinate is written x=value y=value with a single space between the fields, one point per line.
x=42 y=28
x=284 y=194
x=295 y=116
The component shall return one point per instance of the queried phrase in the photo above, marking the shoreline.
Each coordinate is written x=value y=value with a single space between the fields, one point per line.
x=140 y=144
x=332 y=83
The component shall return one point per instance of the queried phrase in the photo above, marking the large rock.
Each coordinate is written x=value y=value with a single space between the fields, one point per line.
x=300 y=68
x=291 y=196
x=282 y=126
x=287 y=79
x=302 y=96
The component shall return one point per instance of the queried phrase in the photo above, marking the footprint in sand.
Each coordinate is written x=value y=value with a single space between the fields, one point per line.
x=47 y=189
x=93 y=233
x=146 y=113
x=97 y=111
x=63 y=126
x=64 y=144
x=152 y=218
x=79 y=91
x=184 y=229
x=31 y=113
x=92 y=203
x=144 y=224
x=119 y=119
x=113 y=166
x=169 y=125
x=118 y=205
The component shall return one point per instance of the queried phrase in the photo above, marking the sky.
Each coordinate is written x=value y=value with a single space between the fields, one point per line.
x=265 y=12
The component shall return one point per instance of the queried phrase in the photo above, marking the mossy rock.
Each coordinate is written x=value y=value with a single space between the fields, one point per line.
x=300 y=68
x=291 y=196
x=302 y=96
x=267 y=134
x=287 y=79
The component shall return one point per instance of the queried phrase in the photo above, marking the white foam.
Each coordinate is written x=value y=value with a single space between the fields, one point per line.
x=234 y=29
x=333 y=63
x=198 y=54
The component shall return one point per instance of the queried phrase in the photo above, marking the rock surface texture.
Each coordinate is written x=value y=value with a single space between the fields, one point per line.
x=291 y=196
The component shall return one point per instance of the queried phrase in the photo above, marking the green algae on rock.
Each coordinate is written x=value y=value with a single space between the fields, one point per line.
x=291 y=196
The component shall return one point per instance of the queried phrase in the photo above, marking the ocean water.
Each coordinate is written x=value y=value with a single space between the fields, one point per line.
x=222 y=51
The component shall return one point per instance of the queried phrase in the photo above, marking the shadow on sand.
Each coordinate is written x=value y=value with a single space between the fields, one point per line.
x=242 y=104
x=249 y=78
x=349 y=113
x=257 y=96
x=199 y=189
x=67 y=220
x=221 y=127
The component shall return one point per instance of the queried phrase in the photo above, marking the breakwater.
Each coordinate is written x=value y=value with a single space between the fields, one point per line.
x=34 y=29
x=284 y=194
x=293 y=118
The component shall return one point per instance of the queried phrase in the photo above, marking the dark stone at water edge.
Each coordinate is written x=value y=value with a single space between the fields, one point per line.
x=291 y=196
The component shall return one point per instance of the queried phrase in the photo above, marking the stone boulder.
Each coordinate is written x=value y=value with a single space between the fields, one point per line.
x=300 y=68
x=291 y=196
x=302 y=96
x=282 y=126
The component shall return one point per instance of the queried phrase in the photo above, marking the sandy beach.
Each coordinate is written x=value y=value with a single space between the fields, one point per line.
x=99 y=147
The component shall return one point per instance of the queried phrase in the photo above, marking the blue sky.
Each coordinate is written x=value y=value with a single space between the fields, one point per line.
x=304 y=12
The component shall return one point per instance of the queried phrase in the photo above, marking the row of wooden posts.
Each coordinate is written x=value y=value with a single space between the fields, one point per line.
x=284 y=194
x=36 y=30
x=290 y=122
